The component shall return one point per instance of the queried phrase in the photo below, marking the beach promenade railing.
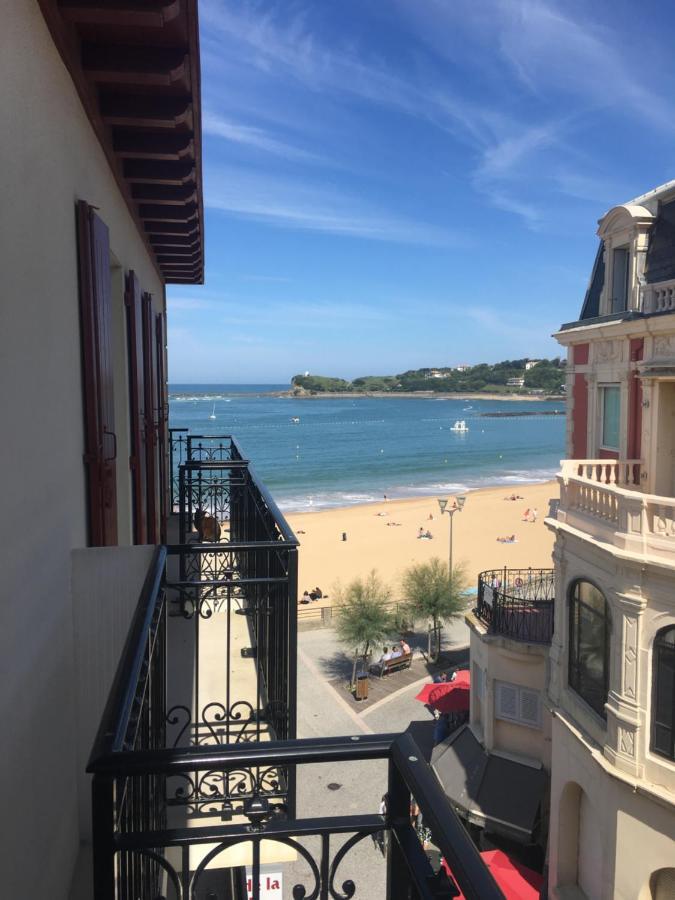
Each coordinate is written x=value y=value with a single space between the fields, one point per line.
x=517 y=603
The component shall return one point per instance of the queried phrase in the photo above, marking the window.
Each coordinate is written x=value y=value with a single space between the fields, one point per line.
x=611 y=409
x=589 y=645
x=517 y=704
x=663 y=706
x=619 y=300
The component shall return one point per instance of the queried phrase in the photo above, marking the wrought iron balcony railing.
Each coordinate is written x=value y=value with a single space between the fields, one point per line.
x=517 y=603
x=185 y=447
x=167 y=811
x=196 y=759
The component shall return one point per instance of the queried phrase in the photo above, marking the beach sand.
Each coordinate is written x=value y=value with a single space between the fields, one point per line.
x=372 y=543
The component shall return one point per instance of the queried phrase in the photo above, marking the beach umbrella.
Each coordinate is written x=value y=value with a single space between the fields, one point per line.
x=448 y=696
x=515 y=880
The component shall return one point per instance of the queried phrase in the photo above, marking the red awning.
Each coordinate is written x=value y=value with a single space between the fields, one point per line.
x=515 y=880
x=448 y=696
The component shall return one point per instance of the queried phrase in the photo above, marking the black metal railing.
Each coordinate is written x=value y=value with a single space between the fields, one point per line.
x=184 y=447
x=164 y=814
x=517 y=603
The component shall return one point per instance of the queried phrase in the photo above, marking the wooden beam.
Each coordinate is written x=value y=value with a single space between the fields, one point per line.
x=167 y=243
x=191 y=259
x=184 y=213
x=119 y=64
x=187 y=228
x=130 y=143
x=164 y=193
x=168 y=172
x=146 y=110
x=135 y=15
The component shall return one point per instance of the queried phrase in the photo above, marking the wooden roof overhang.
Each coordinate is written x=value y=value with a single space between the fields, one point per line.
x=135 y=65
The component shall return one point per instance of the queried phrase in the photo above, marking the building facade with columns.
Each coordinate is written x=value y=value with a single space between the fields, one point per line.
x=611 y=685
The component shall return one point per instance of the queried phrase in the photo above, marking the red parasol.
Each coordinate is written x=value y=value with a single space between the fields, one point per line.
x=448 y=696
x=515 y=880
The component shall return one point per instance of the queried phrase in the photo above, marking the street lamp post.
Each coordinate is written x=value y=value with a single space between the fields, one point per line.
x=457 y=506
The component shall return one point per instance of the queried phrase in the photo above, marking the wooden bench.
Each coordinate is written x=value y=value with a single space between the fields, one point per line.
x=391 y=665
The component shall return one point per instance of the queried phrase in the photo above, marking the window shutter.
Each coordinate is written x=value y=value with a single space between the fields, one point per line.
x=138 y=463
x=529 y=707
x=97 y=376
x=162 y=424
x=507 y=701
x=149 y=384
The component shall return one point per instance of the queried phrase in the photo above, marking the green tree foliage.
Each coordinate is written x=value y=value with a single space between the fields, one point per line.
x=363 y=616
x=548 y=376
x=433 y=593
x=320 y=383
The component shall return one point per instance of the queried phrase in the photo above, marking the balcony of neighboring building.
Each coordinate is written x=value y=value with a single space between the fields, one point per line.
x=603 y=501
x=515 y=605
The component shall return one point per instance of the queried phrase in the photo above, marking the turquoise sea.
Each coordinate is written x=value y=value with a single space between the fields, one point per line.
x=353 y=450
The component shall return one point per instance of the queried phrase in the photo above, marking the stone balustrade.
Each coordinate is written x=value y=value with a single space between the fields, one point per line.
x=602 y=498
x=659 y=297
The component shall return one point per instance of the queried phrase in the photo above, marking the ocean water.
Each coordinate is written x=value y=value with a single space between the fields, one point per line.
x=345 y=451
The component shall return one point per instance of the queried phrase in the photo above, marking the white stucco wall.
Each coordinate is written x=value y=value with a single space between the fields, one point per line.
x=623 y=835
x=517 y=663
x=49 y=158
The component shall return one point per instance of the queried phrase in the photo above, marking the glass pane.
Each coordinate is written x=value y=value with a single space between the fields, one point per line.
x=588 y=646
x=611 y=405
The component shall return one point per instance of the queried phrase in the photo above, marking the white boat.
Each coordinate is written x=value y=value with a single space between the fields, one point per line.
x=295 y=420
x=213 y=412
x=460 y=425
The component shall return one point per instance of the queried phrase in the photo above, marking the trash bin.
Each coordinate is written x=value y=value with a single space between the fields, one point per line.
x=361 y=692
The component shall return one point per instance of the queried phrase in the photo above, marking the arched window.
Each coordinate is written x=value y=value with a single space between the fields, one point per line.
x=588 y=671
x=663 y=707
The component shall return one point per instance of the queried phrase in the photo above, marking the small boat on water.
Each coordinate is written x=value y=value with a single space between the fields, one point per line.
x=295 y=420
x=460 y=425
x=213 y=412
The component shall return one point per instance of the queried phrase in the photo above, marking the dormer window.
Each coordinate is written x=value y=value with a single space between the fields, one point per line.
x=619 y=298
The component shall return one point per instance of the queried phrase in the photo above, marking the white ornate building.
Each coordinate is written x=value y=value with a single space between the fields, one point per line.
x=584 y=684
x=612 y=658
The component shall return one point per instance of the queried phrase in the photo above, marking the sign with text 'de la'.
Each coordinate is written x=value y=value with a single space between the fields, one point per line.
x=271 y=884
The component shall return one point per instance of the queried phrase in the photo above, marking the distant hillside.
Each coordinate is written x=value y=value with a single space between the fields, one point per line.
x=544 y=376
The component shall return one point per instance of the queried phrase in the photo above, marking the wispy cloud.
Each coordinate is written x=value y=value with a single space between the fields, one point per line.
x=258 y=138
x=294 y=203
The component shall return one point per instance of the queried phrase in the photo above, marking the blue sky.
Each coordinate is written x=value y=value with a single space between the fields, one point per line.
x=391 y=184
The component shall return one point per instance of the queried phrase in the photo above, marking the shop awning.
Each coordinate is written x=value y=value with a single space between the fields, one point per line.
x=516 y=881
x=496 y=793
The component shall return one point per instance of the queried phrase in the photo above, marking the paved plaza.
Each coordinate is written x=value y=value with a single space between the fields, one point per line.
x=326 y=708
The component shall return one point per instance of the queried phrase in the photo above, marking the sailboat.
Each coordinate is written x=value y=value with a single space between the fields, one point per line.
x=213 y=412
x=460 y=425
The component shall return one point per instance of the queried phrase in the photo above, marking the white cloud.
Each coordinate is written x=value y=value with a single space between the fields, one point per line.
x=251 y=136
x=293 y=203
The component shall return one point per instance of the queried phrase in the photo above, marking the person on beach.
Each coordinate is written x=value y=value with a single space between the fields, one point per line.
x=534 y=514
x=405 y=647
x=318 y=592
x=526 y=515
x=306 y=598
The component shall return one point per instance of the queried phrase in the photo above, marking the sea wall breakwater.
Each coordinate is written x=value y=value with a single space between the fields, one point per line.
x=342 y=451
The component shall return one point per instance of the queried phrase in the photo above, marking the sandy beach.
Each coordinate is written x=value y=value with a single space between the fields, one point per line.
x=374 y=542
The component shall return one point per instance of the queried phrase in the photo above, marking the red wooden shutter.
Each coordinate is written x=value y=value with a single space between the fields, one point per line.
x=150 y=382
x=162 y=425
x=97 y=377
x=137 y=461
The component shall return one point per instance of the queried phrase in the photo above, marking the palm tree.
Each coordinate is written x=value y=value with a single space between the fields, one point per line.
x=436 y=594
x=363 y=616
